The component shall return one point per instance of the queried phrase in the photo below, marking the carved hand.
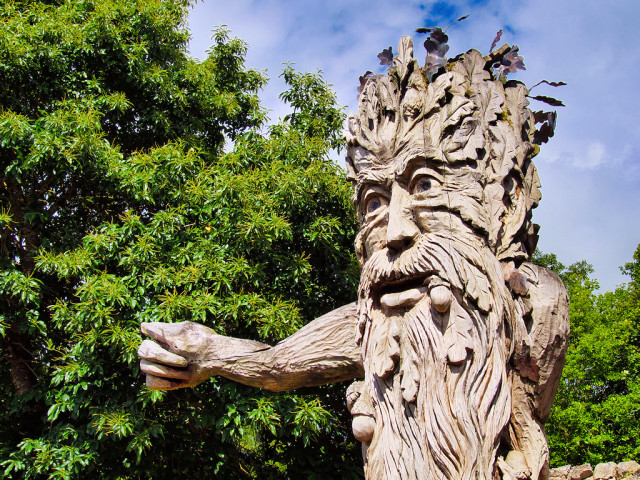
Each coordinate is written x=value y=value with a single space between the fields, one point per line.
x=178 y=360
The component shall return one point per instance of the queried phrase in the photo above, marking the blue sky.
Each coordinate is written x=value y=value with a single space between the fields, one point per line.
x=590 y=170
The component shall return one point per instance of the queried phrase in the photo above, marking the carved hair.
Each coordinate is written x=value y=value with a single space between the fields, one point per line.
x=463 y=117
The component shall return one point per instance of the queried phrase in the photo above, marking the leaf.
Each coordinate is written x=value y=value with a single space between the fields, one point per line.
x=386 y=56
x=547 y=129
x=437 y=48
x=496 y=40
x=424 y=29
x=511 y=62
x=439 y=37
x=456 y=21
x=540 y=116
x=554 y=102
x=363 y=80
x=553 y=84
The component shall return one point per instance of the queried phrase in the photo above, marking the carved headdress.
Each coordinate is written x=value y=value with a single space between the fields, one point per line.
x=461 y=117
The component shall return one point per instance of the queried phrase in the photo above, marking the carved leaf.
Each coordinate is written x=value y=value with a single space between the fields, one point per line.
x=454 y=111
x=405 y=49
x=490 y=101
x=516 y=103
x=457 y=337
x=386 y=56
x=496 y=40
x=410 y=379
x=471 y=69
x=424 y=29
x=364 y=78
x=404 y=60
x=386 y=348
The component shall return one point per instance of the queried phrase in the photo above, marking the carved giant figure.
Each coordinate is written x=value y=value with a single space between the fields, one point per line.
x=459 y=339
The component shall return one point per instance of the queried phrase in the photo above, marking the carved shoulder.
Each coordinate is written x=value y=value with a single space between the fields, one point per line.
x=547 y=323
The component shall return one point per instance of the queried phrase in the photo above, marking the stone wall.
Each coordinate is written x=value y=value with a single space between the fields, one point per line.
x=602 y=471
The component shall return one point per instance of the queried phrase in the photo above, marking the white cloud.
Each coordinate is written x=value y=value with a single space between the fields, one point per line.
x=590 y=169
x=595 y=155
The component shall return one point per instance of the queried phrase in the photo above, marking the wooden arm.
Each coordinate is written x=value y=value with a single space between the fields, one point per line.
x=324 y=351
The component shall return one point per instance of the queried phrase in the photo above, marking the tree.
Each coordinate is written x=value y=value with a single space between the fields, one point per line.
x=595 y=415
x=119 y=206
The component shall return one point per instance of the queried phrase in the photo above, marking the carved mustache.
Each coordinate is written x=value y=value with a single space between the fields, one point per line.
x=417 y=263
x=434 y=260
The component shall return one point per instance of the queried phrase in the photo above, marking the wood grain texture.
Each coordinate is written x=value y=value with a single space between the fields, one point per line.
x=324 y=351
x=463 y=341
x=460 y=341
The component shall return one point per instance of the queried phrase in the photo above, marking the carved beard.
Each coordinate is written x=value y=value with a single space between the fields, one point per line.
x=437 y=380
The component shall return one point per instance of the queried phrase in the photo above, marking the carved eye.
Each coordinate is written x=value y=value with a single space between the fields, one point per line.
x=421 y=185
x=374 y=202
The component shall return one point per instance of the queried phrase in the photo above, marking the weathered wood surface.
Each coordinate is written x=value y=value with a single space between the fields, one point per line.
x=324 y=351
x=463 y=341
x=459 y=339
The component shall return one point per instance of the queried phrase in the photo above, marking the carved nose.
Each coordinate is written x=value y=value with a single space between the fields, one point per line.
x=401 y=228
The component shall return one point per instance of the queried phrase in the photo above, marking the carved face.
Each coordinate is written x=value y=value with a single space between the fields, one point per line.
x=395 y=207
x=428 y=322
x=470 y=136
x=415 y=198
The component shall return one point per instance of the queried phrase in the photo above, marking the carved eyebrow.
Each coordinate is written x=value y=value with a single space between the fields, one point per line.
x=372 y=176
x=407 y=168
x=429 y=170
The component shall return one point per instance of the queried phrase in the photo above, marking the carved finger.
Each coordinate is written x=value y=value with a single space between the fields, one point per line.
x=160 y=331
x=164 y=371
x=157 y=383
x=152 y=351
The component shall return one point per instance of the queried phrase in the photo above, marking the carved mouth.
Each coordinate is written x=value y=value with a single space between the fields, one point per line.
x=403 y=293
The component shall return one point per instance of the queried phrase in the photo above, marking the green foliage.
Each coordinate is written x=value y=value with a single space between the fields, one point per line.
x=119 y=206
x=596 y=414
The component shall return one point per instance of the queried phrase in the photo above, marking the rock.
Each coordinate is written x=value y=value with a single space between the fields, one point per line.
x=626 y=469
x=560 y=473
x=580 y=472
x=604 y=471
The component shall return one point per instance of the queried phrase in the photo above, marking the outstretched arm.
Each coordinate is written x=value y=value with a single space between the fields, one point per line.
x=185 y=354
